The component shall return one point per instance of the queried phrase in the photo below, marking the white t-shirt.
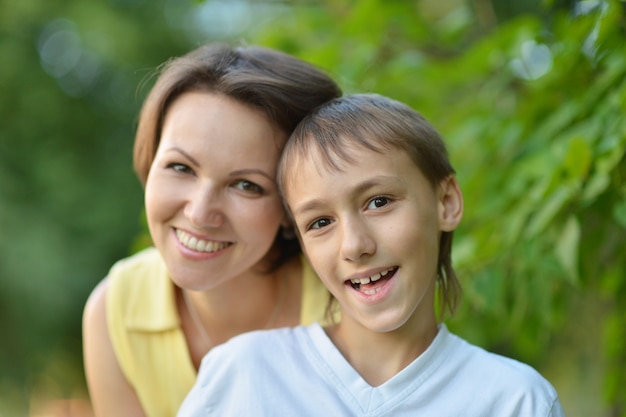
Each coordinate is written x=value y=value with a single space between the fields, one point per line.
x=299 y=372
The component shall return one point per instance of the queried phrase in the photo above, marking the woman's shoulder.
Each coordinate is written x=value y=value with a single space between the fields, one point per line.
x=126 y=276
x=137 y=272
x=146 y=259
x=141 y=294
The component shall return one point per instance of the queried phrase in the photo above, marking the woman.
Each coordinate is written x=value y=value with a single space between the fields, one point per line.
x=225 y=260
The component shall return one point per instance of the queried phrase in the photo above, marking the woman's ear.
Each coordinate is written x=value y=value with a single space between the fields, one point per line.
x=450 y=200
x=287 y=229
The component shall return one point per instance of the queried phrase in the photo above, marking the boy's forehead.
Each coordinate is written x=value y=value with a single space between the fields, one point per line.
x=311 y=181
x=319 y=160
x=305 y=167
x=325 y=156
x=298 y=164
x=326 y=159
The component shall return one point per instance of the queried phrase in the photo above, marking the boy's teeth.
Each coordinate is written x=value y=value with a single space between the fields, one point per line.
x=373 y=278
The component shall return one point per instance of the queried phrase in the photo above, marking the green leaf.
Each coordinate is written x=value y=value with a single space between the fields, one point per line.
x=619 y=213
x=567 y=248
x=578 y=158
x=546 y=213
x=595 y=186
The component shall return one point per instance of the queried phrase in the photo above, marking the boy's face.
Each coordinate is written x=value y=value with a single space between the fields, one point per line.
x=372 y=233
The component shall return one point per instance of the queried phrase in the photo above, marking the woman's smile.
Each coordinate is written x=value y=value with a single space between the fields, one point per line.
x=200 y=245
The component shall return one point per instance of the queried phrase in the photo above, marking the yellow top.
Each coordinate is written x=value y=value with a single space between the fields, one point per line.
x=145 y=330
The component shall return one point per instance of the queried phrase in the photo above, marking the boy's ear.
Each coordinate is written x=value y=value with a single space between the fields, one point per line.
x=450 y=204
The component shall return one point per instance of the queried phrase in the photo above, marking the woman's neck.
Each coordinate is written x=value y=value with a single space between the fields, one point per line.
x=252 y=301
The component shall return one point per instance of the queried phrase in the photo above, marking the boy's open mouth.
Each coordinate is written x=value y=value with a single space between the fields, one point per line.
x=370 y=283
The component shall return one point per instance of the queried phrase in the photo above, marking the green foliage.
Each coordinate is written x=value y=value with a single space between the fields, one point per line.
x=530 y=97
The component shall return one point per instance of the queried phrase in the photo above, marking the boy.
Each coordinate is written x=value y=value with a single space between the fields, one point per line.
x=375 y=201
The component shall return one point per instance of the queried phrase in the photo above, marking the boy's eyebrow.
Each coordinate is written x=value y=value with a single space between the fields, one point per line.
x=308 y=206
x=360 y=188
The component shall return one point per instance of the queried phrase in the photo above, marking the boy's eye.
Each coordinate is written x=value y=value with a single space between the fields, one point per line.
x=248 y=186
x=320 y=223
x=378 y=202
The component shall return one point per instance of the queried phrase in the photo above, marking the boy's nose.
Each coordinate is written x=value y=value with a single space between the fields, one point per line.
x=357 y=241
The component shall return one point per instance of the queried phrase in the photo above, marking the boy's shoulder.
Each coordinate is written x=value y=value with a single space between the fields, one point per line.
x=481 y=362
x=508 y=381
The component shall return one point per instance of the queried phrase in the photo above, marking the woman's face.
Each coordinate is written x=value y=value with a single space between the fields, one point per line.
x=212 y=203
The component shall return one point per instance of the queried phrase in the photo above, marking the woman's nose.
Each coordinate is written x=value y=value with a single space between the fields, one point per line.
x=357 y=241
x=204 y=208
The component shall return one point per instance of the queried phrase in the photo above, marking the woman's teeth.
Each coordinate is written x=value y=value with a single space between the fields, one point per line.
x=200 y=245
x=373 y=278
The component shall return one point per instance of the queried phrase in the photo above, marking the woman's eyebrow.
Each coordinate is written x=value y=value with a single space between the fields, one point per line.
x=251 y=171
x=232 y=174
x=182 y=152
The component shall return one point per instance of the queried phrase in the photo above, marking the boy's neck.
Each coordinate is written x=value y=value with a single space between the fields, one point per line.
x=377 y=356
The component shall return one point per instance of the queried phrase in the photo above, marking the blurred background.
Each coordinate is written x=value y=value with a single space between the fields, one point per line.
x=529 y=94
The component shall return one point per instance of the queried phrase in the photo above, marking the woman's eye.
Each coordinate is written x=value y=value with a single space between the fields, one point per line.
x=249 y=186
x=182 y=168
x=378 y=202
x=320 y=223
